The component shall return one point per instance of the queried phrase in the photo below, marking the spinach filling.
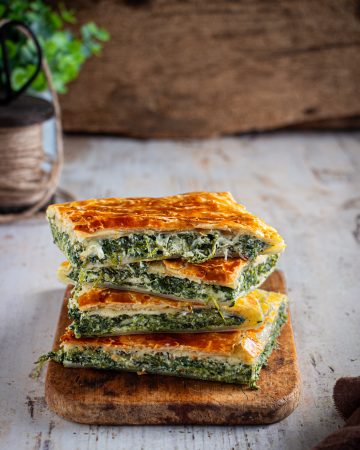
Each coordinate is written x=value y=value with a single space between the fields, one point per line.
x=137 y=276
x=167 y=364
x=195 y=247
x=71 y=250
x=254 y=275
x=85 y=324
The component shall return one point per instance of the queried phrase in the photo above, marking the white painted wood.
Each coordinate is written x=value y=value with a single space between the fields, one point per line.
x=307 y=185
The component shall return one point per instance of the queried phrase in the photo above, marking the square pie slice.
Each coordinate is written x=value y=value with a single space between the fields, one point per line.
x=196 y=227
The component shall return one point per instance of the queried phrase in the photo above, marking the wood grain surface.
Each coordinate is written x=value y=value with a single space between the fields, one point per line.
x=108 y=397
x=211 y=67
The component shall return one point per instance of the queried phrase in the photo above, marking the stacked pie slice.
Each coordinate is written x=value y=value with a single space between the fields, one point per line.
x=168 y=286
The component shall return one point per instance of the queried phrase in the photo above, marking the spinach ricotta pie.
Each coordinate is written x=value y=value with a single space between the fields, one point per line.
x=196 y=227
x=232 y=357
x=217 y=281
x=110 y=312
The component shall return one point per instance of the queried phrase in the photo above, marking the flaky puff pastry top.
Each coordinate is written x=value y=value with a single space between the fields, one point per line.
x=186 y=212
x=246 y=346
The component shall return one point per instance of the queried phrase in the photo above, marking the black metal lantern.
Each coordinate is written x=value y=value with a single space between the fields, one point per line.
x=28 y=176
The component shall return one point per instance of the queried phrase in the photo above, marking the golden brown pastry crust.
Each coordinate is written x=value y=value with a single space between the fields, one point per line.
x=97 y=297
x=214 y=271
x=244 y=344
x=105 y=297
x=191 y=211
x=219 y=343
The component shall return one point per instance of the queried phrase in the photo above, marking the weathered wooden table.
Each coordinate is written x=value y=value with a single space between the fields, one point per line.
x=307 y=185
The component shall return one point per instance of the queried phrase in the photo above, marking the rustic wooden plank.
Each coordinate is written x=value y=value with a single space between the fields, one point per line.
x=107 y=397
x=204 y=68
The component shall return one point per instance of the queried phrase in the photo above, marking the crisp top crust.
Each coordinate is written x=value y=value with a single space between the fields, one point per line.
x=186 y=212
x=246 y=345
x=103 y=297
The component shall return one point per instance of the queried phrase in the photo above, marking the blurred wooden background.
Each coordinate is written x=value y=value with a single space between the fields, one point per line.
x=202 y=68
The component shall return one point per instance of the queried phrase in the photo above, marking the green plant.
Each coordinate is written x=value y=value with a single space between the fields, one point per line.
x=64 y=52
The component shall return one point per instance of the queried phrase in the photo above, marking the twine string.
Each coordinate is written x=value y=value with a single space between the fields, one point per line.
x=22 y=177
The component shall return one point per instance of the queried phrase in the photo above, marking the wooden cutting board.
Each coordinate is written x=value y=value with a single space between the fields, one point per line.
x=122 y=398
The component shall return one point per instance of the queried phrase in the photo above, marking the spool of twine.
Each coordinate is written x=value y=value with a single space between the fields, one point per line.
x=22 y=178
x=28 y=177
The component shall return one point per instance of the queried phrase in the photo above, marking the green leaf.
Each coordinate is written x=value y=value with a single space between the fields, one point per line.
x=60 y=39
x=67 y=14
x=102 y=35
x=68 y=67
x=56 y=20
x=64 y=51
x=39 y=84
x=11 y=49
x=88 y=30
x=21 y=75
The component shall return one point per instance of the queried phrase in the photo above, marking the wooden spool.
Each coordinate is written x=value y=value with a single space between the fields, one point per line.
x=28 y=177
